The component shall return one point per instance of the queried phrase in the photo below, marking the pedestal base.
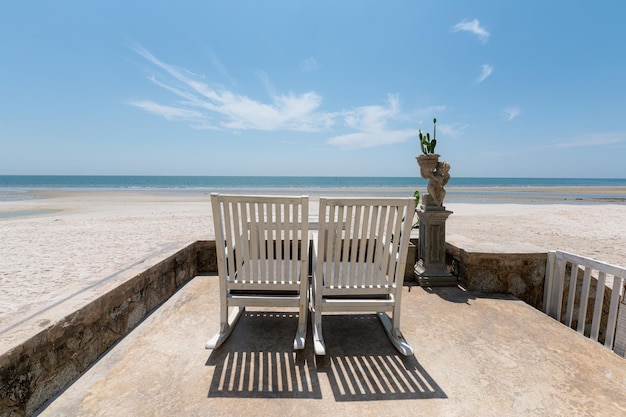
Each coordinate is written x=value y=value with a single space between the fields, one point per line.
x=433 y=277
x=430 y=270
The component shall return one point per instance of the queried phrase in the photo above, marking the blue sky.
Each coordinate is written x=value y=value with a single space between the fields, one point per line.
x=340 y=88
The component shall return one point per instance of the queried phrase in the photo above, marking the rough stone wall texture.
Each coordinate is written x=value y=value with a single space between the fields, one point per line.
x=523 y=275
x=519 y=274
x=33 y=372
x=206 y=257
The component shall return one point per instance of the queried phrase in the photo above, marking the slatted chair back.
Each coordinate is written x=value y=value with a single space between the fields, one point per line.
x=361 y=246
x=262 y=245
x=359 y=255
x=259 y=241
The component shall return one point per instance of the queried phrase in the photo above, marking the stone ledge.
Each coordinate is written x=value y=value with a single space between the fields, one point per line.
x=509 y=267
x=47 y=350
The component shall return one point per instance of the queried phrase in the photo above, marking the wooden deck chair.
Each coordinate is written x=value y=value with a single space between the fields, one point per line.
x=359 y=257
x=262 y=245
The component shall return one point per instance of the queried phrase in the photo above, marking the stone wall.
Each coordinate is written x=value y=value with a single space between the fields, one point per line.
x=520 y=270
x=510 y=268
x=32 y=372
x=206 y=257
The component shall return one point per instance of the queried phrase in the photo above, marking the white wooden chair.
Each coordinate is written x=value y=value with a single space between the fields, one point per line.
x=262 y=245
x=359 y=257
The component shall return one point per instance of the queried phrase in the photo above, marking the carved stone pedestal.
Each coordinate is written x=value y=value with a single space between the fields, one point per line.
x=430 y=269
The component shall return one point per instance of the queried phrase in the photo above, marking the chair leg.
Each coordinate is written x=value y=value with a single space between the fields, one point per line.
x=395 y=335
x=298 y=342
x=226 y=327
x=318 y=339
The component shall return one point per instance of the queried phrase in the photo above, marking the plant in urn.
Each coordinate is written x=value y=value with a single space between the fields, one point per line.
x=437 y=173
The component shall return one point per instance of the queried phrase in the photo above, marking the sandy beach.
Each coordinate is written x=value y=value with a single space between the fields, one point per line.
x=60 y=240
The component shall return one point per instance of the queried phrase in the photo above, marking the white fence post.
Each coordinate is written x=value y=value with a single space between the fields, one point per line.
x=615 y=330
x=620 y=330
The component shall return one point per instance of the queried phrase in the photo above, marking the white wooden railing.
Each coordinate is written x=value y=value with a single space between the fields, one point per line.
x=610 y=279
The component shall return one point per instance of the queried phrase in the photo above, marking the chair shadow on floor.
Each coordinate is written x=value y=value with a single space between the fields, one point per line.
x=258 y=361
x=362 y=365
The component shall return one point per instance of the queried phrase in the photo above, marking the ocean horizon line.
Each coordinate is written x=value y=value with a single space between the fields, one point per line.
x=270 y=181
x=291 y=176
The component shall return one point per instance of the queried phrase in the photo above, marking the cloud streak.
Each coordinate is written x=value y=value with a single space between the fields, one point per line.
x=309 y=65
x=452 y=130
x=486 y=71
x=511 y=113
x=590 y=140
x=167 y=112
x=206 y=107
x=472 y=26
x=198 y=101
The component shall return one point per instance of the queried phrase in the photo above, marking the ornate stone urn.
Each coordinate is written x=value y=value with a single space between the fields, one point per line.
x=427 y=162
x=430 y=269
x=437 y=173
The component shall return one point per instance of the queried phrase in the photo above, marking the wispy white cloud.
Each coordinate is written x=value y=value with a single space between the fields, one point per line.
x=472 y=26
x=452 y=130
x=167 y=112
x=486 y=71
x=511 y=113
x=370 y=123
x=371 y=139
x=590 y=140
x=372 y=117
x=296 y=112
x=207 y=107
x=217 y=63
x=309 y=65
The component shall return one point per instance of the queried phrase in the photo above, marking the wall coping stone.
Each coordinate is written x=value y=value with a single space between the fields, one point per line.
x=457 y=242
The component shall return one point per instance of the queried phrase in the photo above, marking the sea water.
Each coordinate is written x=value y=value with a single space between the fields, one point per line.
x=14 y=187
x=218 y=182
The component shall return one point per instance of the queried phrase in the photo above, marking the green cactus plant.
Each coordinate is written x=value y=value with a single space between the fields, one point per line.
x=428 y=144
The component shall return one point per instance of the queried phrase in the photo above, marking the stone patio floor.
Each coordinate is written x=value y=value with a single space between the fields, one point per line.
x=475 y=355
